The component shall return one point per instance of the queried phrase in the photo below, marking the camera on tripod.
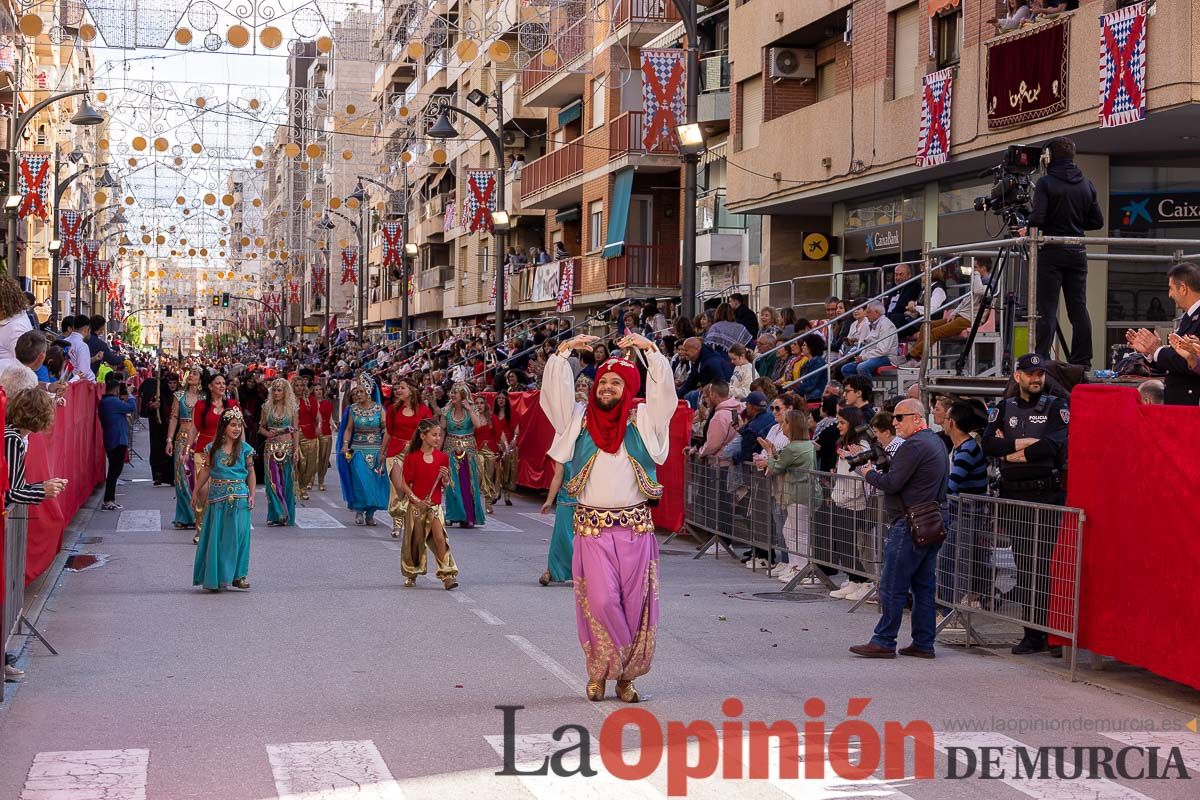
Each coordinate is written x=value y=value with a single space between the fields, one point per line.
x=1012 y=184
x=875 y=453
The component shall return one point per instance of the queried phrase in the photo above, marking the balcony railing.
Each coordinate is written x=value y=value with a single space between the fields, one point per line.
x=566 y=44
x=625 y=137
x=643 y=265
x=714 y=72
x=555 y=167
x=647 y=11
x=713 y=217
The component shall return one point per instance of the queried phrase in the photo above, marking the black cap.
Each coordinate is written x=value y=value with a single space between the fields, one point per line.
x=1031 y=362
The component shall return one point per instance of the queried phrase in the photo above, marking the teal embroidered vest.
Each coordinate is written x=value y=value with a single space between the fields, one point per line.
x=635 y=449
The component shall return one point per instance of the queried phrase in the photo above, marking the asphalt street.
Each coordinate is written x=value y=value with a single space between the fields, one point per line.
x=328 y=680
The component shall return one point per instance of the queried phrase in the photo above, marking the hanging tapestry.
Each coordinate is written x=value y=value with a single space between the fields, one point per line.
x=481 y=199
x=1027 y=74
x=349 y=265
x=69 y=224
x=33 y=184
x=933 y=140
x=1123 y=66
x=662 y=96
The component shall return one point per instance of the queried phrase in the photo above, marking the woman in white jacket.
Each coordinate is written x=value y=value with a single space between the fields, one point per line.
x=743 y=372
x=13 y=319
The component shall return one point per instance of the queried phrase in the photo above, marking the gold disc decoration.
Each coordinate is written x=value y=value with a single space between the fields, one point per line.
x=138 y=143
x=347 y=155
x=335 y=203
x=103 y=144
x=256 y=202
x=245 y=241
x=351 y=109
x=222 y=243
x=209 y=199
x=183 y=36
x=177 y=161
x=132 y=162
x=31 y=25
x=226 y=199
x=145 y=238
x=352 y=202
x=404 y=111
x=102 y=97
x=549 y=58
x=500 y=50
x=438 y=156
x=343 y=243
x=304 y=166
x=416 y=50
x=257 y=150
x=237 y=36
x=129 y=201
x=220 y=212
x=197 y=148
x=291 y=149
x=270 y=37
x=87 y=32
x=187 y=211
x=467 y=50
x=254 y=104
x=324 y=44
x=258 y=241
x=160 y=239
x=306 y=203
x=180 y=200
x=406 y=157
x=313 y=150
x=258 y=164
x=191 y=251
x=161 y=144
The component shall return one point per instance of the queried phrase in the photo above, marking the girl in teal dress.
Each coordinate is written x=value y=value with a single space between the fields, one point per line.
x=177 y=448
x=464 y=501
x=225 y=488
x=281 y=450
x=365 y=486
x=562 y=546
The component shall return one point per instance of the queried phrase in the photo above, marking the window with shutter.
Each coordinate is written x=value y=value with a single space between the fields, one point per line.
x=904 y=51
x=751 y=111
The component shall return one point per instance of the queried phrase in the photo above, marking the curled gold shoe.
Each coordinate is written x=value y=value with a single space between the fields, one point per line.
x=450 y=583
x=241 y=583
x=545 y=579
x=410 y=583
x=595 y=691
x=628 y=692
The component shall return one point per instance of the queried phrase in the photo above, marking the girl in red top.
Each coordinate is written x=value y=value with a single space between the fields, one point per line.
x=324 y=433
x=426 y=474
x=487 y=454
x=404 y=414
x=506 y=436
x=206 y=416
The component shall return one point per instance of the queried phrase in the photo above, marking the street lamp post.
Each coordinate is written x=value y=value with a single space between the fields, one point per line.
x=443 y=129
x=404 y=274
x=86 y=115
x=327 y=225
x=691 y=160
x=61 y=187
x=358 y=232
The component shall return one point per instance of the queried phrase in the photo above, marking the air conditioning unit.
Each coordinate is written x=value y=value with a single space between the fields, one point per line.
x=514 y=139
x=792 y=63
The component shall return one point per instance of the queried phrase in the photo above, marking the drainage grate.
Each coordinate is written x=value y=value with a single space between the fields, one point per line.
x=791 y=597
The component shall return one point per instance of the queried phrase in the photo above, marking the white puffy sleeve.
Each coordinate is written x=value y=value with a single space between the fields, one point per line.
x=654 y=415
x=557 y=400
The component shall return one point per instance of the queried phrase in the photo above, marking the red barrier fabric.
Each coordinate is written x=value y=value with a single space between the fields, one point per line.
x=536 y=470
x=72 y=449
x=1135 y=475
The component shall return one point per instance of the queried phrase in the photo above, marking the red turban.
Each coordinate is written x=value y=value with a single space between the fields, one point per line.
x=608 y=427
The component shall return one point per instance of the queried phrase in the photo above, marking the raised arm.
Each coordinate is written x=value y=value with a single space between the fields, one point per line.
x=557 y=397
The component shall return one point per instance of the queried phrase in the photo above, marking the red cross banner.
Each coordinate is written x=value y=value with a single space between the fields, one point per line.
x=933 y=141
x=318 y=280
x=33 y=184
x=481 y=199
x=349 y=265
x=70 y=222
x=566 y=286
x=393 y=244
x=91 y=255
x=294 y=287
x=1123 y=66
x=662 y=95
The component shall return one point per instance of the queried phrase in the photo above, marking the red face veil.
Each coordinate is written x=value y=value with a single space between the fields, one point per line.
x=608 y=427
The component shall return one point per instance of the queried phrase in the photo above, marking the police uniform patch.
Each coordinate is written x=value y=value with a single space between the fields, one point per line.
x=1012 y=422
x=993 y=413
x=1066 y=415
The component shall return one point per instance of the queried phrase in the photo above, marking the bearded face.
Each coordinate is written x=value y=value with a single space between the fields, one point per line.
x=609 y=389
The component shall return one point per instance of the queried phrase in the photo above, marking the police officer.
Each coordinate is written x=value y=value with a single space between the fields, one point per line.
x=1027 y=436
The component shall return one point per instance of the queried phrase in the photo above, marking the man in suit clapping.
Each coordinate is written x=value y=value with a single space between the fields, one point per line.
x=1179 y=357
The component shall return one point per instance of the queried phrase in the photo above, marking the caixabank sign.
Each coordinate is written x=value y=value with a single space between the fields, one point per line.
x=1141 y=211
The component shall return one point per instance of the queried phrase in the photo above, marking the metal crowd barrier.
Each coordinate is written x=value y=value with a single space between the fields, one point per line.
x=1005 y=560
x=16 y=523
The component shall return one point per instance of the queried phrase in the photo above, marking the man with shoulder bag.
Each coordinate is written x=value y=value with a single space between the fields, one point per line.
x=914 y=490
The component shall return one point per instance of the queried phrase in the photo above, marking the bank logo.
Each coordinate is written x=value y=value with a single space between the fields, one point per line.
x=1136 y=210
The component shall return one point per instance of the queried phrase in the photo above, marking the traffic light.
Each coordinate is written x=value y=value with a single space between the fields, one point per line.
x=216 y=299
x=193 y=323
x=168 y=309
x=191 y=311
x=224 y=299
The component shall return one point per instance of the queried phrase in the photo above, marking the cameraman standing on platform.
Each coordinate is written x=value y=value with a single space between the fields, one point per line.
x=1027 y=434
x=914 y=483
x=1064 y=204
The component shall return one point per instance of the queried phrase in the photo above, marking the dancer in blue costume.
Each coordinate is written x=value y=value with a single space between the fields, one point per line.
x=360 y=439
x=280 y=430
x=177 y=448
x=225 y=489
x=562 y=545
x=464 y=501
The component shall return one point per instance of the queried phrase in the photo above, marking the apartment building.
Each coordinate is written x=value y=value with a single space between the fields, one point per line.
x=826 y=104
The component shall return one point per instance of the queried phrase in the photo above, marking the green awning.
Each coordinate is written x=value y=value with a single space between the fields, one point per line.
x=618 y=213
x=569 y=214
x=570 y=113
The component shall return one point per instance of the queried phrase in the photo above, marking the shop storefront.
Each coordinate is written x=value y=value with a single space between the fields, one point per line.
x=878 y=234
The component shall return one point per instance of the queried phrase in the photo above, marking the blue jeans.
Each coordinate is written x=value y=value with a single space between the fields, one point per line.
x=868 y=367
x=906 y=568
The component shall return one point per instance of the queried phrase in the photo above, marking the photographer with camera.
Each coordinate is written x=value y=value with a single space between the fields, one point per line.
x=915 y=500
x=1064 y=204
x=114 y=408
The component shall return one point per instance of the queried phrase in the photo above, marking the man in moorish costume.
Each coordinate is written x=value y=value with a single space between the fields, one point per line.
x=613 y=449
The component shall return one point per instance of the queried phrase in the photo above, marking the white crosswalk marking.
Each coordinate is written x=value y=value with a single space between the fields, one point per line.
x=88 y=775
x=347 y=770
x=545 y=519
x=1187 y=742
x=488 y=617
x=494 y=525
x=530 y=750
x=315 y=518
x=1048 y=789
x=142 y=519
x=549 y=664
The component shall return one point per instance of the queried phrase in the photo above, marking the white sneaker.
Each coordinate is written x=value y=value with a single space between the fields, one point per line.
x=785 y=572
x=847 y=589
x=862 y=590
